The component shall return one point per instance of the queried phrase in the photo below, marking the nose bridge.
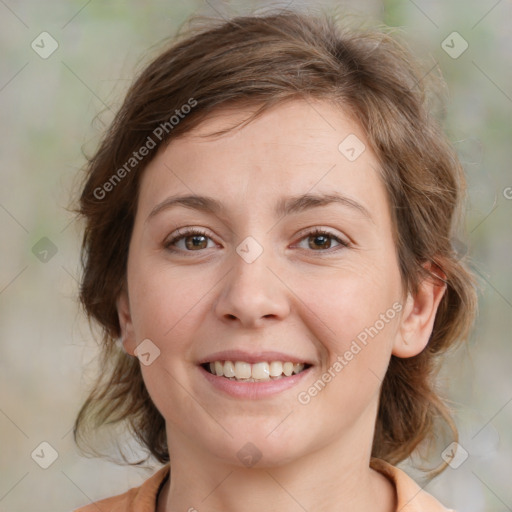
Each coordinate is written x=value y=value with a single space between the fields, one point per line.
x=251 y=291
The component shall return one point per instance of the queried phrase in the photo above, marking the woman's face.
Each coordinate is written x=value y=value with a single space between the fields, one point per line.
x=257 y=285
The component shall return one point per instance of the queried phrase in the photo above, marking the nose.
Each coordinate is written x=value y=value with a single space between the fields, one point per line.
x=252 y=293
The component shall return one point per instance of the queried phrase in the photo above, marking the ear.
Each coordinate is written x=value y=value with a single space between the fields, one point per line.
x=418 y=315
x=125 y=321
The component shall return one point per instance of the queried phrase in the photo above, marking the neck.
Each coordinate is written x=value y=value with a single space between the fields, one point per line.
x=332 y=478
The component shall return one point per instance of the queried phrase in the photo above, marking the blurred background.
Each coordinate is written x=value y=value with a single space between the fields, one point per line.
x=64 y=68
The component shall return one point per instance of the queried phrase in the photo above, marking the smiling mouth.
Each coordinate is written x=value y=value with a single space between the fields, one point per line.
x=242 y=371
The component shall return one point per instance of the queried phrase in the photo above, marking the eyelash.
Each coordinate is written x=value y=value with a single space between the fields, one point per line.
x=199 y=232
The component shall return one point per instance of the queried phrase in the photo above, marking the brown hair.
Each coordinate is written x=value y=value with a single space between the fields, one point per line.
x=262 y=61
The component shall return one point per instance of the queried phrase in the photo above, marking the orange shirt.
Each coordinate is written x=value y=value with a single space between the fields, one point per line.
x=411 y=498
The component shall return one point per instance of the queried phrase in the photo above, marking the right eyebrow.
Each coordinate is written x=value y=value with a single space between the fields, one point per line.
x=202 y=203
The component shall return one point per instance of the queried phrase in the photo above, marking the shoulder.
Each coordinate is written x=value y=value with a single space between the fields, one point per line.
x=137 y=499
x=411 y=497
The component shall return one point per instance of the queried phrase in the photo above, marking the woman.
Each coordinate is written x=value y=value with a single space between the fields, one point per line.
x=268 y=236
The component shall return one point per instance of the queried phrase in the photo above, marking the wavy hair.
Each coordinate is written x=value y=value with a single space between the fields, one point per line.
x=260 y=61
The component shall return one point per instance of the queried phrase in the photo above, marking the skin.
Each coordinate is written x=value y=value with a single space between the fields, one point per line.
x=300 y=296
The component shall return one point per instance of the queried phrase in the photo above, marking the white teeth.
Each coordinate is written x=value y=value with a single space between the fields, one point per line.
x=288 y=369
x=260 y=371
x=241 y=370
x=219 y=368
x=276 y=368
x=229 y=369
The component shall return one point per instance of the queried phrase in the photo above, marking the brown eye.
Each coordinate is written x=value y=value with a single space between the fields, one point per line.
x=321 y=241
x=194 y=240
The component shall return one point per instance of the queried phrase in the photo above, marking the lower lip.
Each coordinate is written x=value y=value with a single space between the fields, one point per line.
x=254 y=390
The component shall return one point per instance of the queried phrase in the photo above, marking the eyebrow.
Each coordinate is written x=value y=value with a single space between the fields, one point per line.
x=285 y=206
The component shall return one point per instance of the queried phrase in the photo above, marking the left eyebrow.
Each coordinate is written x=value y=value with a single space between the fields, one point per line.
x=296 y=204
x=285 y=206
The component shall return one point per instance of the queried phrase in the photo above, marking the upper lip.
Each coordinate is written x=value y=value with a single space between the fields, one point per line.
x=252 y=357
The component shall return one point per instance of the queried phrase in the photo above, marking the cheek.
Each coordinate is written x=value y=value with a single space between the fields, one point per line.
x=356 y=317
x=165 y=300
x=349 y=302
x=356 y=328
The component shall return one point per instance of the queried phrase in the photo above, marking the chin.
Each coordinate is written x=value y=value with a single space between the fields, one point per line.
x=255 y=448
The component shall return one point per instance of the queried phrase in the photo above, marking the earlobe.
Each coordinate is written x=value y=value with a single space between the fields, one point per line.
x=418 y=318
x=125 y=322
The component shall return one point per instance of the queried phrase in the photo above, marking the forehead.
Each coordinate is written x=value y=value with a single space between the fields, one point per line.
x=293 y=126
x=295 y=147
